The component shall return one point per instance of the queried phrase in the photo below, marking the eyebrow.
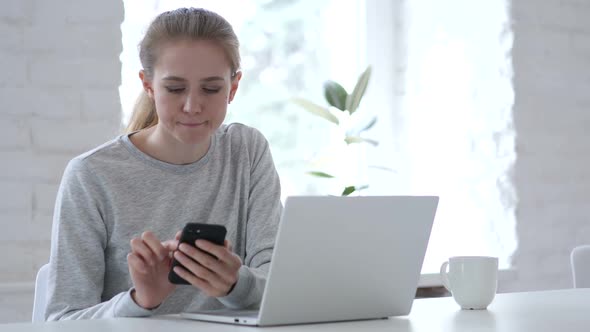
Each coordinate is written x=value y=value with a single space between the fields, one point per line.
x=206 y=79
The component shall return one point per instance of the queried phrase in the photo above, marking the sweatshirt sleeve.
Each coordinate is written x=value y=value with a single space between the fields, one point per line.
x=264 y=212
x=77 y=262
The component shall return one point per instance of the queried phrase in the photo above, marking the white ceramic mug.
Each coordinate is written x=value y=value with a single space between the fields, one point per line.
x=472 y=280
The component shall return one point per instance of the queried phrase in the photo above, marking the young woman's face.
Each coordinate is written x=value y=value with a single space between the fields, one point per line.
x=191 y=87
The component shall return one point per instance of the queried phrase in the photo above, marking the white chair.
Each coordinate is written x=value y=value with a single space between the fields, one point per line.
x=40 y=299
x=580 y=259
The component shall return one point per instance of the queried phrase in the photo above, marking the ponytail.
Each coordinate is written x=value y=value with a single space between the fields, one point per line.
x=144 y=114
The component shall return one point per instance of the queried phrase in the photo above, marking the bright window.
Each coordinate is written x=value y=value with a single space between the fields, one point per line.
x=441 y=89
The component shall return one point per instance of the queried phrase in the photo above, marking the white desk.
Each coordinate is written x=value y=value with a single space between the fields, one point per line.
x=562 y=310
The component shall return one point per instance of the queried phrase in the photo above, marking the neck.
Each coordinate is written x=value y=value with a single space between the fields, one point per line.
x=158 y=145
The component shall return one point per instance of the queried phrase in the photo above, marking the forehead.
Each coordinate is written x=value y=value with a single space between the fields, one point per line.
x=192 y=59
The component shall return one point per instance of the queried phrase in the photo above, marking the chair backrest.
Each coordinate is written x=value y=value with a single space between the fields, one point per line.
x=580 y=259
x=40 y=299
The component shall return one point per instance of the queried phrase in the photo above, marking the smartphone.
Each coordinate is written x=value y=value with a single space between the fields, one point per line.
x=192 y=232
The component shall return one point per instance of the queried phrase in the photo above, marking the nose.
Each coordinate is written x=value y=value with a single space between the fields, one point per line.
x=192 y=103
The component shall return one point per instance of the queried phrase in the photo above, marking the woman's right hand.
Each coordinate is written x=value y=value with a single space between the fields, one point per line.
x=149 y=264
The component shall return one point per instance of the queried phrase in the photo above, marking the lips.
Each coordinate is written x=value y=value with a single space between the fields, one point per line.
x=192 y=124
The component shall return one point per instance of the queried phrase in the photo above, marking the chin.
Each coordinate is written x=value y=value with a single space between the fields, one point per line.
x=195 y=138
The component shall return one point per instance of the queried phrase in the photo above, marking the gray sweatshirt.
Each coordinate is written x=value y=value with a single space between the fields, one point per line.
x=116 y=192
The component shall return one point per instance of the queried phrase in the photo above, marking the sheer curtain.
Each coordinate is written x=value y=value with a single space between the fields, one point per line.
x=451 y=120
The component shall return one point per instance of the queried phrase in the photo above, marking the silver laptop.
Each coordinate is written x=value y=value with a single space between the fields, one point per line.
x=340 y=259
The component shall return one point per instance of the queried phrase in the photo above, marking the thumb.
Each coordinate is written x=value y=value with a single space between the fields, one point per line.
x=170 y=245
x=227 y=244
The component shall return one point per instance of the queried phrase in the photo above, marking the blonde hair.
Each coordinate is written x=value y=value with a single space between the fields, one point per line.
x=178 y=24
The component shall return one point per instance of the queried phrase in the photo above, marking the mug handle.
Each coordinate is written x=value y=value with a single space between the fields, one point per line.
x=444 y=276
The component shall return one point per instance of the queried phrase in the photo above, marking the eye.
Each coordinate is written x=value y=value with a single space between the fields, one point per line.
x=174 y=89
x=211 y=90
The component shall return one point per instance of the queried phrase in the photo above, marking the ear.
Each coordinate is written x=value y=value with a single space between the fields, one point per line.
x=235 y=82
x=147 y=84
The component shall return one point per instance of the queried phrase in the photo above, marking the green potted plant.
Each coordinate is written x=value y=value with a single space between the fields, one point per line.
x=342 y=112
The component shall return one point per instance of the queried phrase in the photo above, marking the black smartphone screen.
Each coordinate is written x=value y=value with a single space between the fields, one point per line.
x=192 y=232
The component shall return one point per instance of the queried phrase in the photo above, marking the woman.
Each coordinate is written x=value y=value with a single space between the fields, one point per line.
x=177 y=164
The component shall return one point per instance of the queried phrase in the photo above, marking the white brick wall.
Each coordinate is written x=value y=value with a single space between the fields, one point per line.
x=14 y=133
x=14 y=70
x=76 y=135
x=60 y=70
x=552 y=113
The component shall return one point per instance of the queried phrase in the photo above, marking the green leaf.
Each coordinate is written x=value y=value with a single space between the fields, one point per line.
x=383 y=168
x=350 y=189
x=321 y=175
x=354 y=99
x=335 y=95
x=362 y=187
x=369 y=125
x=316 y=109
x=357 y=139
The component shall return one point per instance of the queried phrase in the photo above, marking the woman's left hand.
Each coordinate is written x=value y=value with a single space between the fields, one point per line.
x=211 y=268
